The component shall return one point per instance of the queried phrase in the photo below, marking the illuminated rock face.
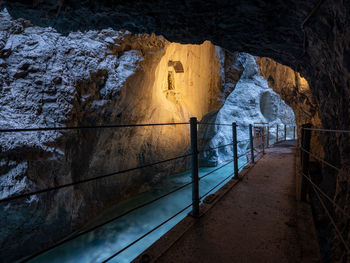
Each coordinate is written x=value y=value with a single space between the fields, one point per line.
x=94 y=78
x=252 y=101
x=295 y=91
x=312 y=38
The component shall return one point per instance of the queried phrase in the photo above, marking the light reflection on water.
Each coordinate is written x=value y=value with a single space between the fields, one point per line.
x=101 y=243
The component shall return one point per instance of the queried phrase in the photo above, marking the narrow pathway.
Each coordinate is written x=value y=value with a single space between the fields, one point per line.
x=259 y=220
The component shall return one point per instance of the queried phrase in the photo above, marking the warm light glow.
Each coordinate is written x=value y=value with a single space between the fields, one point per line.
x=303 y=84
x=187 y=81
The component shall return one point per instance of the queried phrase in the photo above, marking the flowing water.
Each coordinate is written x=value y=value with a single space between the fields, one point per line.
x=103 y=242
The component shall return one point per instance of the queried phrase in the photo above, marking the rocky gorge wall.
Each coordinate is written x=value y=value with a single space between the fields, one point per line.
x=86 y=79
x=312 y=37
x=251 y=102
x=318 y=49
x=295 y=91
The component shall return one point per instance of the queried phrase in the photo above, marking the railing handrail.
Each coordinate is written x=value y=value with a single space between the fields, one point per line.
x=320 y=159
x=90 y=127
x=6 y=130
x=14 y=197
x=105 y=223
x=195 y=152
x=340 y=236
x=306 y=179
x=325 y=130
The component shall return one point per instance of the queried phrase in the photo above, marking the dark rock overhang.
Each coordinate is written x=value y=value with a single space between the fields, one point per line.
x=264 y=28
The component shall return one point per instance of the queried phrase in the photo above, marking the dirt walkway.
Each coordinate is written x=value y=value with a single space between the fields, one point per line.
x=257 y=221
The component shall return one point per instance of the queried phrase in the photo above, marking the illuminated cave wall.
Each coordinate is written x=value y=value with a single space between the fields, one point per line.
x=95 y=78
x=92 y=78
x=313 y=39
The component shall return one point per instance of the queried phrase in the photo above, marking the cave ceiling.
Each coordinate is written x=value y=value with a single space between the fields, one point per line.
x=312 y=37
x=264 y=28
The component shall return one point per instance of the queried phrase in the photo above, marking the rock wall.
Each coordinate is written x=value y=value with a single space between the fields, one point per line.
x=295 y=91
x=312 y=37
x=85 y=79
x=252 y=101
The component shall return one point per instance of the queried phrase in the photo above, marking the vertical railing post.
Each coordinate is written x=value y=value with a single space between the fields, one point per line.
x=304 y=157
x=285 y=132
x=235 y=152
x=276 y=133
x=293 y=132
x=251 y=142
x=194 y=165
x=268 y=137
x=263 y=140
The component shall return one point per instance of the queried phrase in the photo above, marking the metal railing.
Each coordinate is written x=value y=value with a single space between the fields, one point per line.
x=307 y=183
x=196 y=199
x=265 y=137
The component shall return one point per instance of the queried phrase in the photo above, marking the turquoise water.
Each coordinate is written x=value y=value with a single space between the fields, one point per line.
x=101 y=243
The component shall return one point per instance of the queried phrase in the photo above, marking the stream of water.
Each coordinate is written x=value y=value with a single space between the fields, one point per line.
x=103 y=242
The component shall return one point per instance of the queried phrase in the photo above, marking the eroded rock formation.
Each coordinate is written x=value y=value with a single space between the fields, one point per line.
x=86 y=79
x=295 y=91
x=312 y=37
x=252 y=101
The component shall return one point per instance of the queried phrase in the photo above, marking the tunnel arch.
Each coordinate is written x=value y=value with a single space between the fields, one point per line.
x=311 y=38
x=299 y=41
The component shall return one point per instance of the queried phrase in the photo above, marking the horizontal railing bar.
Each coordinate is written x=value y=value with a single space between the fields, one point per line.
x=146 y=234
x=203 y=176
x=78 y=234
x=325 y=130
x=325 y=195
x=320 y=159
x=221 y=146
x=106 y=222
x=243 y=140
x=90 y=127
x=216 y=186
x=241 y=155
x=257 y=151
x=332 y=221
x=219 y=124
x=242 y=166
x=88 y=180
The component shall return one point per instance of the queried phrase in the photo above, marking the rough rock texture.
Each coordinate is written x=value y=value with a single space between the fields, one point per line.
x=312 y=37
x=252 y=101
x=85 y=79
x=295 y=91
x=51 y=80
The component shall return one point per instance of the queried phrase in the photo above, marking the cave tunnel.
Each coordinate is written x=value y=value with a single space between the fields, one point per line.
x=301 y=49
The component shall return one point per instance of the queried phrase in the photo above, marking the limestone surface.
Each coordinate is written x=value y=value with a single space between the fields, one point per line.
x=86 y=79
x=312 y=37
x=251 y=102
